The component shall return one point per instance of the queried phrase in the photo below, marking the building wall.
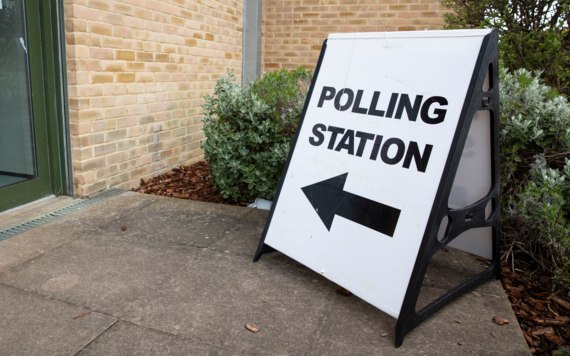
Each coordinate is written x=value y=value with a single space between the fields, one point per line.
x=137 y=72
x=294 y=30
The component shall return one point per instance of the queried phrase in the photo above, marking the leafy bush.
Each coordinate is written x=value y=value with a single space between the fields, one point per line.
x=562 y=351
x=535 y=119
x=535 y=171
x=249 y=131
x=533 y=34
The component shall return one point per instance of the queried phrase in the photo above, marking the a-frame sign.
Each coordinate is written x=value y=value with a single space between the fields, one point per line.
x=367 y=183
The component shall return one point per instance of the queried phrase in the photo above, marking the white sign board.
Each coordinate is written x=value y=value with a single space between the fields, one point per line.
x=369 y=157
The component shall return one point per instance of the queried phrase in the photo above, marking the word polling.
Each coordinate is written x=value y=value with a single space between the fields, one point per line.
x=398 y=104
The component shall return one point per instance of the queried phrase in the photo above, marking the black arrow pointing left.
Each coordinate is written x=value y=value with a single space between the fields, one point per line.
x=329 y=199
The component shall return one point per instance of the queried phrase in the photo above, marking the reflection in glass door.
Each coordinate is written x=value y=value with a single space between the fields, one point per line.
x=17 y=152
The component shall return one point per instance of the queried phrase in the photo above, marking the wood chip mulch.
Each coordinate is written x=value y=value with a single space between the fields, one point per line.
x=188 y=182
x=543 y=314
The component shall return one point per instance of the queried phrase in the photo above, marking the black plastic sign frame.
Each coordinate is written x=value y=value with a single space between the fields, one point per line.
x=459 y=220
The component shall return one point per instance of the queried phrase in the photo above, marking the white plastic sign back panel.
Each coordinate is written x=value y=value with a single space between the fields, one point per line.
x=369 y=155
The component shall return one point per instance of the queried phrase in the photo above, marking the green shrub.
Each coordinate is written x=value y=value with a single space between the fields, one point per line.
x=537 y=215
x=535 y=171
x=249 y=130
x=533 y=34
x=534 y=120
x=562 y=351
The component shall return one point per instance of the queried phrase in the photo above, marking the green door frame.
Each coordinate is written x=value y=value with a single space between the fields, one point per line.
x=49 y=99
x=57 y=111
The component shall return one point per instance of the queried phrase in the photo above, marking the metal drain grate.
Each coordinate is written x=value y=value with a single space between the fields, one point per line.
x=56 y=214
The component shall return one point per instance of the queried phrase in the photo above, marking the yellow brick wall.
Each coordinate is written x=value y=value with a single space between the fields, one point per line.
x=137 y=72
x=294 y=30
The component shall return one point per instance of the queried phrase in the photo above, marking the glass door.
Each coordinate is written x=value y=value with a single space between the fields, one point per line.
x=24 y=172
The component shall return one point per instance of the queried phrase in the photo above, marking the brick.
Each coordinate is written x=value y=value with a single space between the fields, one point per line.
x=104 y=101
x=100 y=29
x=125 y=77
x=99 y=4
x=347 y=14
x=135 y=88
x=87 y=90
x=76 y=51
x=115 y=135
x=144 y=56
x=144 y=77
x=114 y=67
x=80 y=12
x=190 y=42
x=126 y=32
x=114 y=19
x=135 y=66
x=145 y=98
x=101 y=53
x=105 y=149
x=161 y=57
x=357 y=22
x=93 y=164
x=123 y=8
x=104 y=125
x=91 y=139
x=79 y=104
x=78 y=39
x=125 y=55
x=87 y=65
x=388 y=14
x=177 y=21
x=112 y=42
x=119 y=178
x=119 y=156
x=115 y=112
x=101 y=78
x=84 y=115
x=78 y=25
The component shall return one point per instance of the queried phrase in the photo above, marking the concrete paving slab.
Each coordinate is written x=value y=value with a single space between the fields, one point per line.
x=57 y=233
x=214 y=297
x=183 y=290
x=38 y=241
x=175 y=221
x=242 y=239
x=346 y=327
x=112 y=210
x=447 y=269
x=99 y=273
x=32 y=325
x=354 y=327
x=124 y=339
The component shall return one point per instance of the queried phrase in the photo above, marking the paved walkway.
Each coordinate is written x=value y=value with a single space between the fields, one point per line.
x=180 y=281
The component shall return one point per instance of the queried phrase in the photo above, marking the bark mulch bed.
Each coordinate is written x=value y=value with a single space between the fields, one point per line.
x=188 y=182
x=543 y=314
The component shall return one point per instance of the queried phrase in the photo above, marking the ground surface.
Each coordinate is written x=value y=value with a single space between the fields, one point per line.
x=179 y=280
x=543 y=312
x=188 y=182
x=15 y=216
